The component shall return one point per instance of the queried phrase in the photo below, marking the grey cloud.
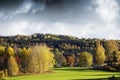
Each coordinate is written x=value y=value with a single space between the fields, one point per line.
x=71 y=17
x=56 y=10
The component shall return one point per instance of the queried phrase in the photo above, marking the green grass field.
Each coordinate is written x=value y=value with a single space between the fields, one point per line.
x=73 y=73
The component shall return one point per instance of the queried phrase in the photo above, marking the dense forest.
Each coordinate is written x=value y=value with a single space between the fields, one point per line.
x=66 y=44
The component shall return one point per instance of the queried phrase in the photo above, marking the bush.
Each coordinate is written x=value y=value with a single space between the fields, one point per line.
x=116 y=66
x=105 y=68
x=3 y=75
x=112 y=69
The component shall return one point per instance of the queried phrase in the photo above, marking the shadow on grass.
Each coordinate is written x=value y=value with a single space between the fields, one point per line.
x=85 y=70
x=73 y=69
x=117 y=78
x=91 y=79
x=102 y=74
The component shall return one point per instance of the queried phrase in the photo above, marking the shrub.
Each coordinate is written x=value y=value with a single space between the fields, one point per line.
x=3 y=75
x=106 y=68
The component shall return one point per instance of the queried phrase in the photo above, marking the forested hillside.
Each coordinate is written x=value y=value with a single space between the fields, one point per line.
x=66 y=44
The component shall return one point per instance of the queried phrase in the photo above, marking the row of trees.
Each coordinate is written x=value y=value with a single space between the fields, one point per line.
x=36 y=59
x=39 y=59
x=103 y=55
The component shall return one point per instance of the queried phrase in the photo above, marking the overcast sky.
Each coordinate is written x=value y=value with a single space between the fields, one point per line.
x=80 y=18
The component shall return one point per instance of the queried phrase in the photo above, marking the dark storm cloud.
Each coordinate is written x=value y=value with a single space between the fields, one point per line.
x=9 y=3
x=6 y=2
x=47 y=10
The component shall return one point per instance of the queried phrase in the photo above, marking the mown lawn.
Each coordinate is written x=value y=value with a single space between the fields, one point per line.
x=73 y=73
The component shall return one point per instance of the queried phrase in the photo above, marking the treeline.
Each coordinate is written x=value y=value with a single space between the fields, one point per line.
x=66 y=44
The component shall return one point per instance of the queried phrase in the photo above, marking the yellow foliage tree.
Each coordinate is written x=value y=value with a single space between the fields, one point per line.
x=2 y=50
x=24 y=56
x=25 y=51
x=99 y=54
x=111 y=46
x=85 y=59
x=12 y=66
x=41 y=59
x=10 y=51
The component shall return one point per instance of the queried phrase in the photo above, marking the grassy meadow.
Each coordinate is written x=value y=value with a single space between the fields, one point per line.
x=72 y=73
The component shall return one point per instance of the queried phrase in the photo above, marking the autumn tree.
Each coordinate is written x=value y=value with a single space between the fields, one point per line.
x=85 y=59
x=10 y=51
x=60 y=59
x=99 y=54
x=3 y=59
x=24 y=58
x=40 y=59
x=116 y=56
x=2 y=50
x=110 y=47
x=12 y=64
x=70 y=60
